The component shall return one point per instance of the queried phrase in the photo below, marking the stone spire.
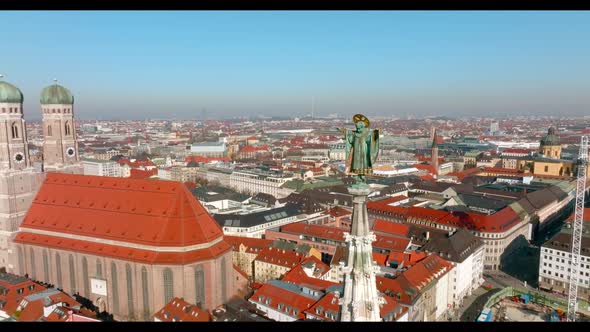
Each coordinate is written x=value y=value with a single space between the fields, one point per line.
x=434 y=154
x=361 y=300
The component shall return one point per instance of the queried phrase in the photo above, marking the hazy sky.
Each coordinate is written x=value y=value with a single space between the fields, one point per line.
x=173 y=64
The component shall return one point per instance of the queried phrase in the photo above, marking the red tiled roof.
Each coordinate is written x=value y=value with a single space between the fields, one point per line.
x=426 y=167
x=238 y=270
x=179 y=310
x=389 y=227
x=12 y=298
x=278 y=295
x=146 y=212
x=338 y=211
x=280 y=257
x=324 y=232
x=393 y=199
x=495 y=223
x=136 y=164
x=142 y=174
x=427 y=177
x=465 y=173
x=391 y=305
x=381 y=259
x=124 y=253
x=249 y=242
x=33 y=310
x=336 y=234
x=201 y=159
x=150 y=212
x=390 y=243
x=424 y=272
x=387 y=285
x=406 y=259
x=327 y=303
x=298 y=276
x=586 y=215
x=502 y=170
x=519 y=151
x=252 y=148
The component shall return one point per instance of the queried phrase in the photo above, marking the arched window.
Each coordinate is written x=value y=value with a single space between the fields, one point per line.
x=146 y=299
x=49 y=131
x=98 y=268
x=168 y=285
x=72 y=274
x=45 y=266
x=199 y=286
x=33 y=265
x=21 y=261
x=115 y=287
x=85 y=276
x=58 y=270
x=223 y=280
x=67 y=128
x=129 y=291
x=14 y=130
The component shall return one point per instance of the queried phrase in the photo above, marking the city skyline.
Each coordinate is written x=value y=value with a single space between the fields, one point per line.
x=177 y=64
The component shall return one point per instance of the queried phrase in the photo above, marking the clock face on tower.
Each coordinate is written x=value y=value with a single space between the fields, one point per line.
x=19 y=157
x=70 y=152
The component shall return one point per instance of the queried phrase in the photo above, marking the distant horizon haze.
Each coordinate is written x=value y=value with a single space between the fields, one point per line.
x=171 y=64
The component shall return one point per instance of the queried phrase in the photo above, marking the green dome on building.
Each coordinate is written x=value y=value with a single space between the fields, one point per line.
x=10 y=93
x=56 y=94
x=551 y=138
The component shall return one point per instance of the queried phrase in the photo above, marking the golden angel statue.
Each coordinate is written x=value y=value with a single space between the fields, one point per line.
x=362 y=147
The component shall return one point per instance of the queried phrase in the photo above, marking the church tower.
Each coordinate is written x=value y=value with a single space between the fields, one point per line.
x=60 y=148
x=550 y=146
x=19 y=182
x=434 y=154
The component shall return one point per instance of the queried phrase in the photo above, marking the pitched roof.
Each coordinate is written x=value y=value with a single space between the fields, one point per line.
x=424 y=272
x=109 y=216
x=494 y=223
x=279 y=257
x=392 y=228
x=9 y=290
x=298 y=276
x=455 y=248
x=32 y=309
x=179 y=310
x=290 y=299
x=249 y=242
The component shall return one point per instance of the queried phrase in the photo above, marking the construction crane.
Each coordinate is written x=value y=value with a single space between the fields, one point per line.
x=578 y=225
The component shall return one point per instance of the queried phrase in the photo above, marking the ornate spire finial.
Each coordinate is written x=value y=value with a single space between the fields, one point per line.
x=55 y=81
x=1 y=76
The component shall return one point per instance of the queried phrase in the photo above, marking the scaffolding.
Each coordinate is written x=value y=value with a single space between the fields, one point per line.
x=578 y=225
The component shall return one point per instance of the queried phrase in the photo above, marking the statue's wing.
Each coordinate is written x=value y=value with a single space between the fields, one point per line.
x=374 y=145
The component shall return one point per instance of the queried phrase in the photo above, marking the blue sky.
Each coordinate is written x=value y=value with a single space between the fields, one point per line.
x=140 y=64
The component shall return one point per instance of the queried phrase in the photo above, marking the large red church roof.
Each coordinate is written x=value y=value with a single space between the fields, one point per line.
x=101 y=215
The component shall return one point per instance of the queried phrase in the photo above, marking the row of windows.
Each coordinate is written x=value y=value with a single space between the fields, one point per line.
x=53 y=111
x=167 y=277
x=561 y=274
x=11 y=110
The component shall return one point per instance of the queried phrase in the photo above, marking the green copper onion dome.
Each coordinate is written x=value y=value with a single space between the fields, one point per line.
x=551 y=138
x=56 y=94
x=10 y=93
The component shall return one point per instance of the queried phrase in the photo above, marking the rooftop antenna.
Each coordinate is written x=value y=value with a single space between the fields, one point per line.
x=312 y=107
